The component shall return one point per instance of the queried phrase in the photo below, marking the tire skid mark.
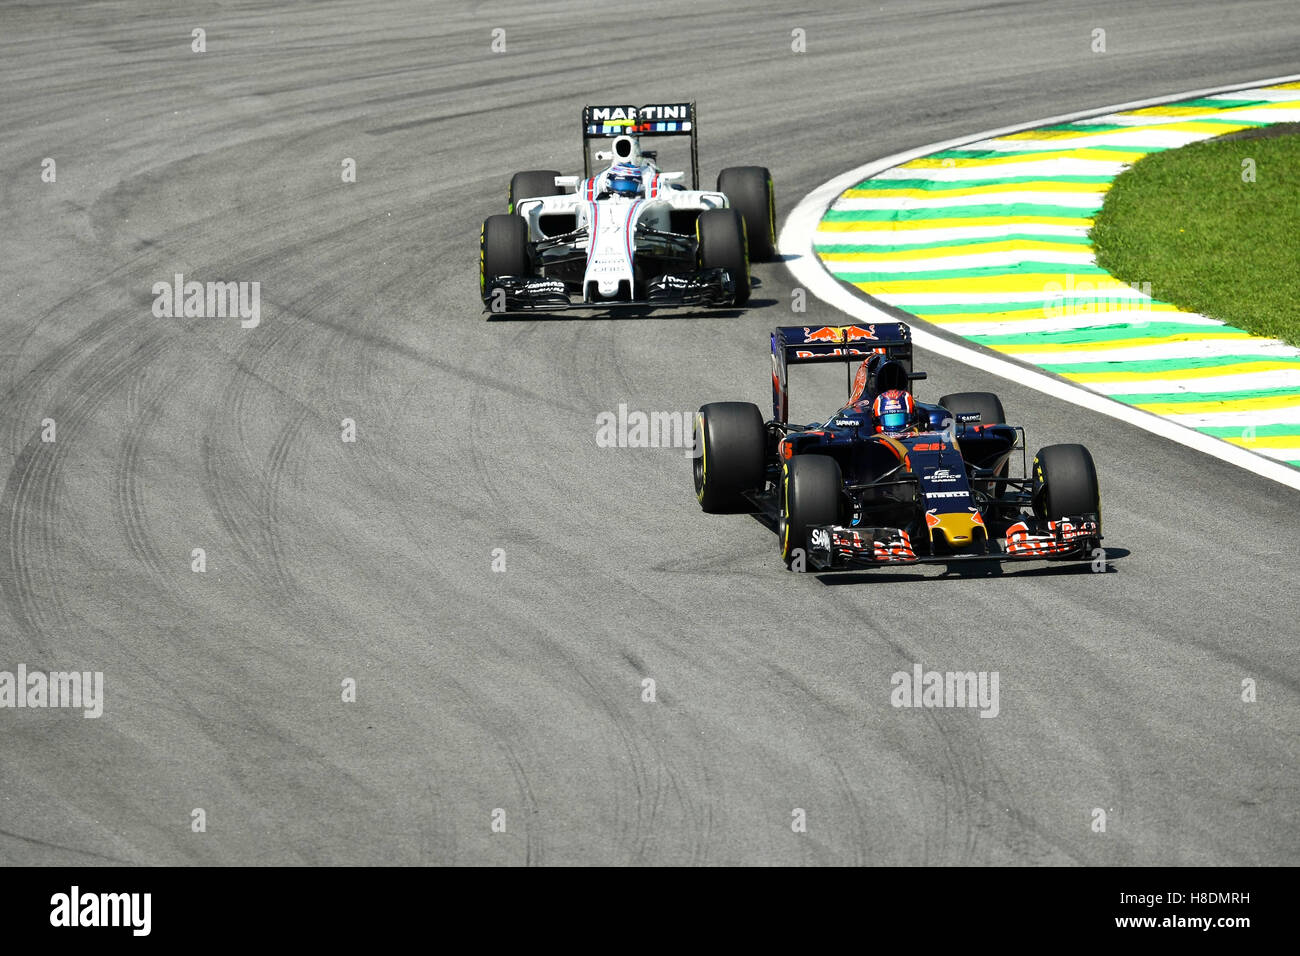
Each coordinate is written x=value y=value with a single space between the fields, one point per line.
x=438 y=843
x=861 y=828
x=698 y=818
x=25 y=488
x=17 y=583
x=1110 y=737
x=103 y=330
x=375 y=468
x=34 y=487
x=483 y=473
x=663 y=784
x=230 y=505
x=504 y=727
x=144 y=412
x=277 y=469
x=284 y=751
x=47 y=845
x=532 y=842
x=957 y=835
x=291 y=333
x=1028 y=839
x=831 y=715
x=643 y=822
x=230 y=471
x=979 y=802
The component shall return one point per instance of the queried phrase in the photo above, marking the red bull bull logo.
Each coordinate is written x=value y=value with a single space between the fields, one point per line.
x=840 y=334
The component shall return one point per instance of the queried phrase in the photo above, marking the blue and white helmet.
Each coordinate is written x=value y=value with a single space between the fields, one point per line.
x=624 y=179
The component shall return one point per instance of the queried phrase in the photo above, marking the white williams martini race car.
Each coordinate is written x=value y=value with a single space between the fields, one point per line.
x=629 y=235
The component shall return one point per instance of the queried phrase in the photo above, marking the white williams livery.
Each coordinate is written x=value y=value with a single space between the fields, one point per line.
x=629 y=234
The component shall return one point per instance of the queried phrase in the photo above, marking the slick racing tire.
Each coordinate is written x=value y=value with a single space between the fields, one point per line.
x=730 y=454
x=988 y=405
x=749 y=190
x=989 y=408
x=811 y=487
x=503 y=250
x=530 y=185
x=721 y=234
x=1065 y=483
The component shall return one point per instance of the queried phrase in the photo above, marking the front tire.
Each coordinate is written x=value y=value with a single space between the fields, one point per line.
x=730 y=454
x=811 y=489
x=749 y=190
x=503 y=250
x=721 y=235
x=1065 y=483
x=530 y=185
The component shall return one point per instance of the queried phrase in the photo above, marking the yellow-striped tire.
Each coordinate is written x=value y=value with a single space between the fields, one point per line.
x=749 y=191
x=721 y=236
x=730 y=454
x=811 y=491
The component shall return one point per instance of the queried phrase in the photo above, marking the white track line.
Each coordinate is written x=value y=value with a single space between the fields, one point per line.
x=796 y=241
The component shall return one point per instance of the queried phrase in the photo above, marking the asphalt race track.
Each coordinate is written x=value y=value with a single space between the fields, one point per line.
x=373 y=560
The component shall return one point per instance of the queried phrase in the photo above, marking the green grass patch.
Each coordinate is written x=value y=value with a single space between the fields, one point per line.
x=1206 y=239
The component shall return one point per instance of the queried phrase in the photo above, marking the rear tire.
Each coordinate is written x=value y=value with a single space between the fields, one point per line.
x=721 y=235
x=730 y=454
x=1065 y=483
x=988 y=405
x=503 y=250
x=811 y=489
x=530 y=185
x=749 y=190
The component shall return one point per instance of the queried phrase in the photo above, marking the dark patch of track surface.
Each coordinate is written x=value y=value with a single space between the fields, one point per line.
x=373 y=561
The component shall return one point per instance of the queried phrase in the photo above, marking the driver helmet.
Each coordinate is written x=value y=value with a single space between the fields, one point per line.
x=624 y=179
x=893 y=410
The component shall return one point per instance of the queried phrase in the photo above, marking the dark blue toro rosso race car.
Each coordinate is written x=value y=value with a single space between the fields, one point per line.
x=888 y=479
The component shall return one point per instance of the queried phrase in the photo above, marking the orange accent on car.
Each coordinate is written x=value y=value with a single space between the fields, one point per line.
x=859 y=384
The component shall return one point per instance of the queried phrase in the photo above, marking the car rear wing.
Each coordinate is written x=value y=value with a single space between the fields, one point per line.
x=800 y=344
x=655 y=119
